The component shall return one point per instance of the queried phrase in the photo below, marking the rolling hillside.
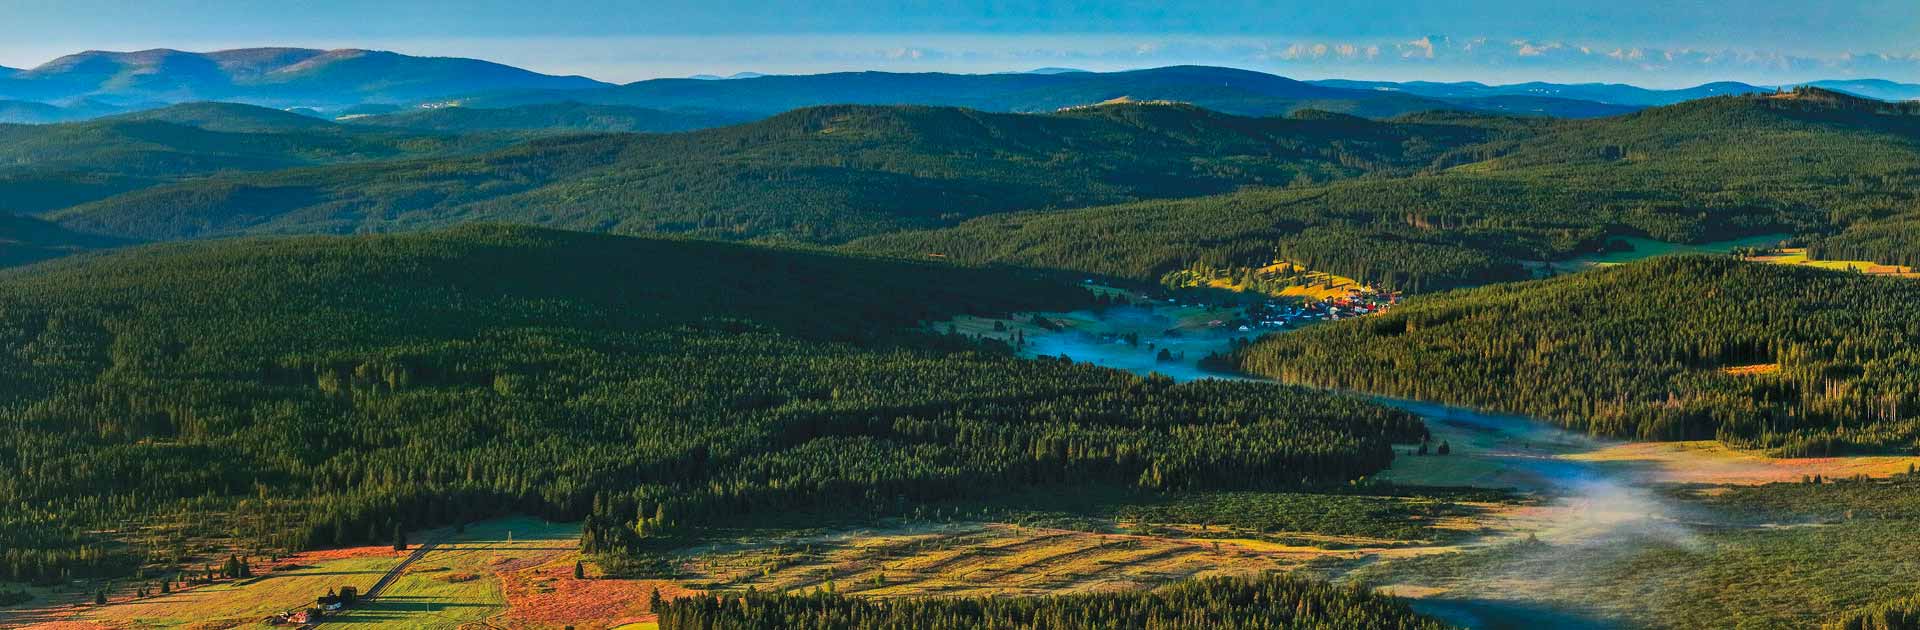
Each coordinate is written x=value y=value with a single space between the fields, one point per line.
x=26 y=240
x=325 y=391
x=552 y=118
x=1808 y=362
x=1838 y=170
x=47 y=167
x=823 y=174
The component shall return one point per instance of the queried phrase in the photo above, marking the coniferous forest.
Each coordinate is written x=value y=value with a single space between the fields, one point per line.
x=324 y=391
x=1227 y=603
x=1647 y=351
x=1182 y=347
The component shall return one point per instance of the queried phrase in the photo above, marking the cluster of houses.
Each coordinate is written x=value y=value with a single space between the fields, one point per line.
x=1273 y=315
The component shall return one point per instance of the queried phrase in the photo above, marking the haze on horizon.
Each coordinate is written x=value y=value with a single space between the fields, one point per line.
x=1652 y=43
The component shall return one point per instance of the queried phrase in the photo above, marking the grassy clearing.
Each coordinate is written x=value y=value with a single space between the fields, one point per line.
x=1758 y=369
x=505 y=573
x=508 y=573
x=1798 y=256
x=1712 y=462
x=974 y=560
x=288 y=584
x=1278 y=279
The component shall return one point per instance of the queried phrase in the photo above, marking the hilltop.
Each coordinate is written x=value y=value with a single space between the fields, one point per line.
x=277 y=76
x=1229 y=90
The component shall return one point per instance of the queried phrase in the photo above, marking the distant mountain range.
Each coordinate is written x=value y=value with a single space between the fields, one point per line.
x=1242 y=92
x=269 y=76
x=1873 y=88
x=337 y=83
x=1622 y=94
x=1607 y=93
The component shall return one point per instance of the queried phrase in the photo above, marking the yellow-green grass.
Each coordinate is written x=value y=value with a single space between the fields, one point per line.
x=247 y=603
x=1712 y=462
x=1799 y=257
x=1315 y=285
x=507 y=573
x=974 y=560
x=458 y=582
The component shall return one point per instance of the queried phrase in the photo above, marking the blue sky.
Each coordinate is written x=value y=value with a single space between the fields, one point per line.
x=1647 y=42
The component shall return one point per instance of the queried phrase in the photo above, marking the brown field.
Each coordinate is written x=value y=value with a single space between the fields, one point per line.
x=977 y=560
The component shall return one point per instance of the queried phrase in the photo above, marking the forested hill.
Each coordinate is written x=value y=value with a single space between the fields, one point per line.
x=46 y=167
x=1236 y=91
x=1804 y=361
x=229 y=117
x=823 y=174
x=320 y=391
x=1842 y=172
x=553 y=118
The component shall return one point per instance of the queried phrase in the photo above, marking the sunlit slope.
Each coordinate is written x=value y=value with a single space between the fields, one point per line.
x=1661 y=349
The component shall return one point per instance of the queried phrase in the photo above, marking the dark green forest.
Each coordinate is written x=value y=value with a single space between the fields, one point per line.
x=1272 y=602
x=320 y=391
x=49 y=167
x=823 y=174
x=1422 y=202
x=552 y=118
x=26 y=240
x=1839 y=176
x=1636 y=351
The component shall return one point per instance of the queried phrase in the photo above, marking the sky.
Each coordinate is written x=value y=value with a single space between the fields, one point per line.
x=1654 y=43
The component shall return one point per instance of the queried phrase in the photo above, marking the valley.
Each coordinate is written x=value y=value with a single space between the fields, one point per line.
x=875 y=338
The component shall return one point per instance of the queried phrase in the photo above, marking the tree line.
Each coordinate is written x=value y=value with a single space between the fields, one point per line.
x=1274 y=601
